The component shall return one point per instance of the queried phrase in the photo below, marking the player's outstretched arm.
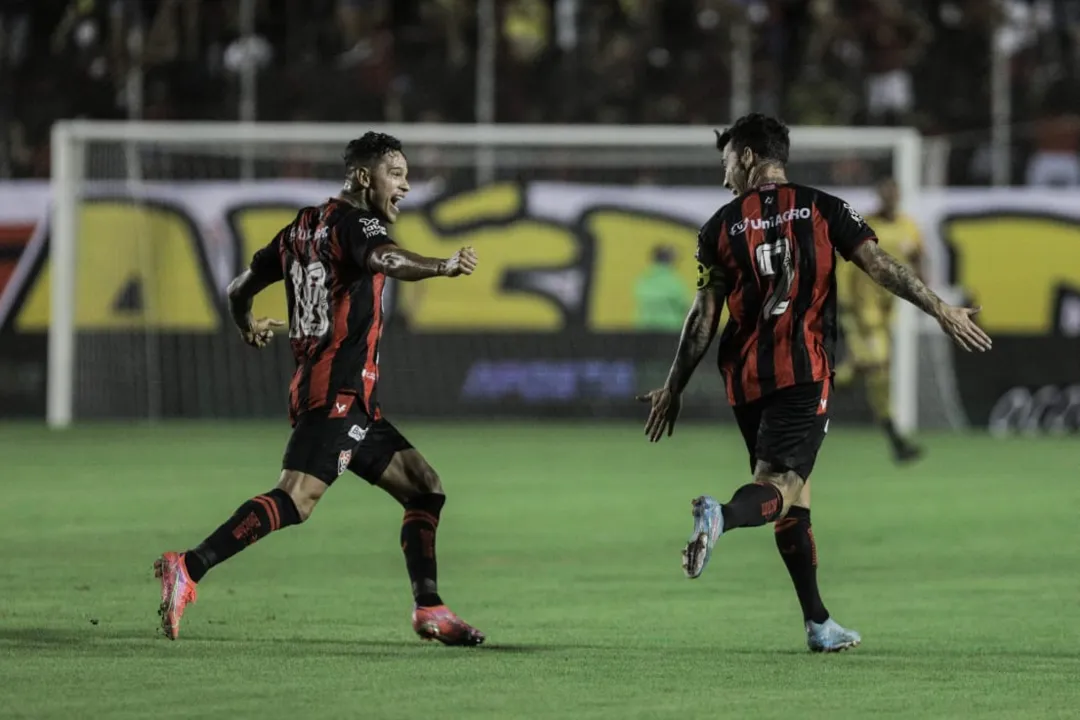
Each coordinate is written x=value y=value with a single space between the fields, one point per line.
x=396 y=262
x=698 y=332
x=957 y=322
x=242 y=292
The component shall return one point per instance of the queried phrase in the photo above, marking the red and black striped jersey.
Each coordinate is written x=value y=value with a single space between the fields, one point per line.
x=773 y=249
x=335 y=303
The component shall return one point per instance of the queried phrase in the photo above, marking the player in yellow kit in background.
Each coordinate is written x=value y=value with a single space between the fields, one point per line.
x=866 y=315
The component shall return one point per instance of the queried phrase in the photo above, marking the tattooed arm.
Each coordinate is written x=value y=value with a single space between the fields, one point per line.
x=400 y=264
x=698 y=332
x=897 y=279
x=957 y=322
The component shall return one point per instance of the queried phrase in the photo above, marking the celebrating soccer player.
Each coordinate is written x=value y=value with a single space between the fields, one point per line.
x=770 y=255
x=335 y=259
x=865 y=310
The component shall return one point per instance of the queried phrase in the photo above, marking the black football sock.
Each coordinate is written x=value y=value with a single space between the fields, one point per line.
x=418 y=543
x=255 y=519
x=795 y=541
x=753 y=505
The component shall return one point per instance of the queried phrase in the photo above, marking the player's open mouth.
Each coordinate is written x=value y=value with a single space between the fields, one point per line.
x=395 y=199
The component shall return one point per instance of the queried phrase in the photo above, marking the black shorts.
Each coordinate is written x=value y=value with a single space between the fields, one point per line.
x=329 y=440
x=786 y=428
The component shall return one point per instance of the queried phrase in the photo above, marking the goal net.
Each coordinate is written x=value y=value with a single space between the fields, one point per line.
x=584 y=234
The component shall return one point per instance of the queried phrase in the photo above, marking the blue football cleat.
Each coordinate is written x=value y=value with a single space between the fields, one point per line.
x=708 y=526
x=830 y=637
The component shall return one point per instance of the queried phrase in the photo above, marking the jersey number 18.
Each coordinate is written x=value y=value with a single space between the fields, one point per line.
x=311 y=309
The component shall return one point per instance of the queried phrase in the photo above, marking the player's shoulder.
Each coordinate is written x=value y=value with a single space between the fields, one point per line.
x=727 y=212
x=360 y=221
x=828 y=204
x=819 y=197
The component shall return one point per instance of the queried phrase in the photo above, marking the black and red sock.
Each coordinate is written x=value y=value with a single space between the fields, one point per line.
x=418 y=543
x=795 y=541
x=252 y=521
x=753 y=505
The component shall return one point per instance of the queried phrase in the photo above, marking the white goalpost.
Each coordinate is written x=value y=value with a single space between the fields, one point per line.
x=137 y=159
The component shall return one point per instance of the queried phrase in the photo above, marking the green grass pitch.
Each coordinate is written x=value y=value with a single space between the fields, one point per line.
x=562 y=543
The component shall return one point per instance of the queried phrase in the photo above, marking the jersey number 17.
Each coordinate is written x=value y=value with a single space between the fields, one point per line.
x=774 y=261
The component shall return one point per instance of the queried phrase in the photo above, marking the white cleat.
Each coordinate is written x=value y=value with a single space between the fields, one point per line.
x=708 y=526
x=829 y=636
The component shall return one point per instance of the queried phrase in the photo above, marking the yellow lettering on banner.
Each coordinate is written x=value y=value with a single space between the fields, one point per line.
x=256 y=227
x=624 y=242
x=1012 y=265
x=488 y=220
x=494 y=203
x=138 y=268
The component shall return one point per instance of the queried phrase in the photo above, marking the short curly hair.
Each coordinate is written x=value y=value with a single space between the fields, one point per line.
x=369 y=148
x=767 y=137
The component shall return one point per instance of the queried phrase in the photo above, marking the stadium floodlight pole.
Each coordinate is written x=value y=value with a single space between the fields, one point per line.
x=742 y=59
x=249 y=87
x=1000 y=109
x=487 y=39
x=67 y=173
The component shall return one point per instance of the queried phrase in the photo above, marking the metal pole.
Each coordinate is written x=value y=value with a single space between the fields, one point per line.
x=741 y=67
x=1000 y=111
x=249 y=91
x=487 y=39
x=67 y=175
x=134 y=96
x=6 y=101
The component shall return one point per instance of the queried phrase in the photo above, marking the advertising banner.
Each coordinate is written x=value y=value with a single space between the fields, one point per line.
x=576 y=307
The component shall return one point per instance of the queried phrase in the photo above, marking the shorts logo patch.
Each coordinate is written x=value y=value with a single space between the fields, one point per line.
x=343 y=461
x=357 y=433
x=342 y=404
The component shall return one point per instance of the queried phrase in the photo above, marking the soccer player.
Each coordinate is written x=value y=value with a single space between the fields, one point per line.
x=334 y=259
x=866 y=315
x=770 y=255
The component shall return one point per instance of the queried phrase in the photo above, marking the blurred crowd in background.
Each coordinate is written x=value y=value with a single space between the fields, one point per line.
x=925 y=63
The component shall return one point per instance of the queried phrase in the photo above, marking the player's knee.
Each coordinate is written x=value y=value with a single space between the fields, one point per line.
x=304 y=490
x=787 y=481
x=305 y=505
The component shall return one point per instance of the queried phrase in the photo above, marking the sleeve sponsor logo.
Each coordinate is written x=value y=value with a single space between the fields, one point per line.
x=854 y=215
x=372 y=227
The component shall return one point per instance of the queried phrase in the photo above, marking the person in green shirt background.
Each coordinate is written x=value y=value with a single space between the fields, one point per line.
x=661 y=295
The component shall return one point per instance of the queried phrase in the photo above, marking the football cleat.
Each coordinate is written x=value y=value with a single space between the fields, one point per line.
x=830 y=637
x=907 y=453
x=177 y=590
x=440 y=623
x=708 y=526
